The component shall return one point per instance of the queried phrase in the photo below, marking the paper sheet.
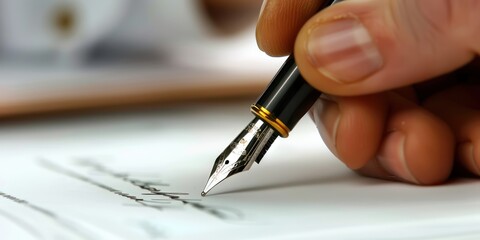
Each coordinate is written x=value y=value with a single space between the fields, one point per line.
x=139 y=176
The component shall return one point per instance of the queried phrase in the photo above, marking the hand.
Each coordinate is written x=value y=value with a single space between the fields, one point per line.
x=231 y=16
x=402 y=98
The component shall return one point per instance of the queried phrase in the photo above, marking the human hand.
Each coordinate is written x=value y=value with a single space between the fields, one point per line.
x=231 y=16
x=402 y=96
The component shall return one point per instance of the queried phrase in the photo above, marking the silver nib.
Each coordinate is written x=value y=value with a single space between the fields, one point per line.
x=248 y=147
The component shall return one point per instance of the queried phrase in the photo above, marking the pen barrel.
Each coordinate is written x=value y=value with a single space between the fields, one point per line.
x=287 y=98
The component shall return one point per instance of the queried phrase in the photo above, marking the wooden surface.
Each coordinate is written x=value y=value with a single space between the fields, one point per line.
x=184 y=88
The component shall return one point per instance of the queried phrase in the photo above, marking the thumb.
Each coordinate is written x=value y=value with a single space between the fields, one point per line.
x=363 y=47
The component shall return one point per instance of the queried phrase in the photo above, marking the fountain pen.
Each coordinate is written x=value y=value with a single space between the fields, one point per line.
x=285 y=101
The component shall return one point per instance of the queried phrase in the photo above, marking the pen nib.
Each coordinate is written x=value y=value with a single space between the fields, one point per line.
x=248 y=147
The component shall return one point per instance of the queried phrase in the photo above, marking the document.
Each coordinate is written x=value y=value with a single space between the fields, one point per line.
x=139 y=176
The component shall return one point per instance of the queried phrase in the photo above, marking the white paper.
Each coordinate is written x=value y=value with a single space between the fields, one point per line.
x=139 y=176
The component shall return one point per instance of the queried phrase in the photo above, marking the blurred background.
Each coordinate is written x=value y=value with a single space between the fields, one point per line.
x=58 y=55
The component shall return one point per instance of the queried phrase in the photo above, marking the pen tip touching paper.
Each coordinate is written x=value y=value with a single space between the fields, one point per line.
x=248 y=147
x=213 y=180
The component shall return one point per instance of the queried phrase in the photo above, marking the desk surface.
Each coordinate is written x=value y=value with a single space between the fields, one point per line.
x=221 y=69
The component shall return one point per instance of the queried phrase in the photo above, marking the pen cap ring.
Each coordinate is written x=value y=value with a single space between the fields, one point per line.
x=287 y=98
x=271 y=120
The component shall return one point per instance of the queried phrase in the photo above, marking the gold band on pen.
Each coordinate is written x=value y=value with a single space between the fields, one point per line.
x=270 y=118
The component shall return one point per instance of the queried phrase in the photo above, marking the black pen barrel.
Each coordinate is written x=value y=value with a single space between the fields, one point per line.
x=288 y=96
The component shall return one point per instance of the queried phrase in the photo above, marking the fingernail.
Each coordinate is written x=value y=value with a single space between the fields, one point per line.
x=325 y=114
x=466 y=155
x=392 y=157
x=343 y=50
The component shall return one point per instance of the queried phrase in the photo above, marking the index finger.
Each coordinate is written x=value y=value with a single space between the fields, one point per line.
x=279 y=23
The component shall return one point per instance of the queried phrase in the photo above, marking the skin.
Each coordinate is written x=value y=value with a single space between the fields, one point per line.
x=229 y=17
x=418 y=115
